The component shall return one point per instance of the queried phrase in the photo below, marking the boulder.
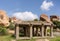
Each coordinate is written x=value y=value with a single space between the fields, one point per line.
x=54 y=18
x=44 y=17
x=14 y=20
x=4 y=20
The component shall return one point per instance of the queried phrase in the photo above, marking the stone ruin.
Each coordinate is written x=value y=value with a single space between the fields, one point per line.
x=4 y=20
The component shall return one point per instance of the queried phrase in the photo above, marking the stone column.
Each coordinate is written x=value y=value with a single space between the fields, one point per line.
x=42 y=30
x=31 y=31
x=51 y=31
x=17 y=32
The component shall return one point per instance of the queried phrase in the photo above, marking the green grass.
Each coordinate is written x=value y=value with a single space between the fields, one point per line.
x=9 y=38
x=6 y=38
x=27 y=40
x=55 y=39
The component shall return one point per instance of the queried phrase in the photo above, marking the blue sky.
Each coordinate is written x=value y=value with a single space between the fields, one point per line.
x=34 y=6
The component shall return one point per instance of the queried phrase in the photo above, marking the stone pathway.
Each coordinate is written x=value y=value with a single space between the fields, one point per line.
x=13 y=40
x=42 y=40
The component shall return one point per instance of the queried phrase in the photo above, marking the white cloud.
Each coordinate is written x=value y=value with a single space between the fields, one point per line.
x=25 y=16
x=46 y=5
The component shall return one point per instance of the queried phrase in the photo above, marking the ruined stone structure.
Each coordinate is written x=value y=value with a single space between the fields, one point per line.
x=4 y=20
x=33 y=29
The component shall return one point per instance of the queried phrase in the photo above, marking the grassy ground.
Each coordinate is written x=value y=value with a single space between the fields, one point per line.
x=55 y=39
x=9 y=38
x=27 y=40
x=6 y=38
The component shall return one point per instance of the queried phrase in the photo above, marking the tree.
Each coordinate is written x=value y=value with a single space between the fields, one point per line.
x=11 y=26
x=35 y=19
x=3 y=30
x=57 y=23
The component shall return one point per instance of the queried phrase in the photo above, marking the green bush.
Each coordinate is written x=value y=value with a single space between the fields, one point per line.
x=48 y=30
x=11 y=26
x=35 y=19
x=57 y=23
x=3 y=30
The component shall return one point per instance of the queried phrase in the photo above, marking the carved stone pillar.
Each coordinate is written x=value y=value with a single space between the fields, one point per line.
x=42 y=30
x=31 y=31
x=51 y=31
x=17 y=32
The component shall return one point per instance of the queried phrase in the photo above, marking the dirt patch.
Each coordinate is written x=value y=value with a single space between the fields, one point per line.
x=11 y=31
x=42 y=40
